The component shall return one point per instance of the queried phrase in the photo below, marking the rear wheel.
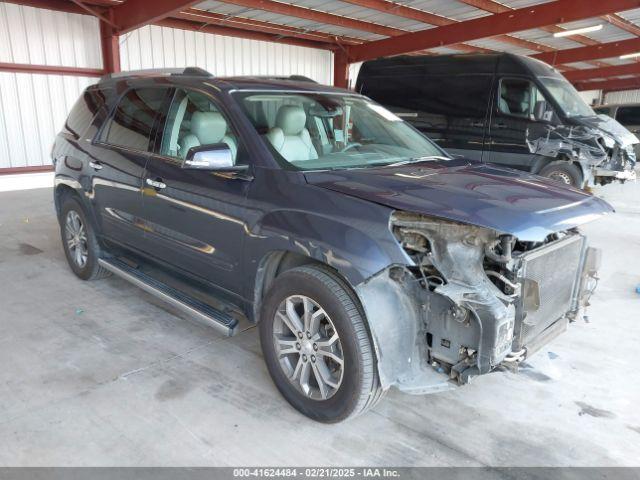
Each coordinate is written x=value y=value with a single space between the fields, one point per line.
x=563 y=172
x=316 y=345
x=79 y=241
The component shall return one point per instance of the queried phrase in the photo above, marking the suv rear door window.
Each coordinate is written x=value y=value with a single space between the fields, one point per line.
x=132 y=121
x=628 y=115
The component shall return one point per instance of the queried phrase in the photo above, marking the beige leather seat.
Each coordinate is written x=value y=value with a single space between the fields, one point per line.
x=207 y=128
x=289 y=136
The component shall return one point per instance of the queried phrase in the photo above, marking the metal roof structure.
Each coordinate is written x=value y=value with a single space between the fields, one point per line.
x=357 y=30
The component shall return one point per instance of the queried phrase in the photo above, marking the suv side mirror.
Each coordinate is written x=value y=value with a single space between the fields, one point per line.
x=217 y=157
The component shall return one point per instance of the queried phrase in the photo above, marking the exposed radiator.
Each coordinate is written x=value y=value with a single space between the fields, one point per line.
x=555 y=267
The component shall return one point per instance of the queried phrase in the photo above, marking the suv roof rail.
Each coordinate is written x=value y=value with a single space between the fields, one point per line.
x=191 y=71
x=296 y=78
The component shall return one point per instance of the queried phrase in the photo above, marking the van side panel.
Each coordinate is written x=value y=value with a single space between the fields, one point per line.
x=439 y=97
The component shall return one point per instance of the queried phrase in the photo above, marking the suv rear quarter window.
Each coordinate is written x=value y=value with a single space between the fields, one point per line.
x=131 y=123
x=83 y=112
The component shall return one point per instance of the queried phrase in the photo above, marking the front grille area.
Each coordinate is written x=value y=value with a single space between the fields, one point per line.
x=555 y=268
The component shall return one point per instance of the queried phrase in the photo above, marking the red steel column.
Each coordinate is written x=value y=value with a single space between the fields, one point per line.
x=110 y=48
x=340 y=70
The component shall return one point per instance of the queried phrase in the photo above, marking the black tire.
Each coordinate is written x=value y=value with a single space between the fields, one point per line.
x=563 y=172
x=91 y=269
x=360 y=387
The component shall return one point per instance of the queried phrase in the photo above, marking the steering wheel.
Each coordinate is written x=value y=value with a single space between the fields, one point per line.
x=350 y=146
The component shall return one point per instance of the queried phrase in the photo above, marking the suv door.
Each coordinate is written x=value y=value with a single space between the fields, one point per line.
x=513 y=127
x=118 y=157
x=194 y=219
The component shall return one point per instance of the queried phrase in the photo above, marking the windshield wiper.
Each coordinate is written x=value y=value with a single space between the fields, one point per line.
x=417 y=159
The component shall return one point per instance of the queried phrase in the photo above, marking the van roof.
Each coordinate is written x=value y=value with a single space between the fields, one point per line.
x=458 y=64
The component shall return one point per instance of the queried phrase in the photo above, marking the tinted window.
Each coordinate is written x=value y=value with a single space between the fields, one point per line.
x=83 y=112
x=515 y=97
x=452 y=96
x=628 y=115
x=131 y=123
x=194 y=120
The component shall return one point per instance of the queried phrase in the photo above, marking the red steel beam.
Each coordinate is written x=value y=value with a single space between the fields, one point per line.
x=236 y=32
x=317 y=16
x=411 y=13
x=331 y=19
x=340 y=70
x=110 y=46
x=559 y=11
x=495 y=7
x=622 y=23
x=591 y=52
x=207 y=17
x=604 y=72
x=50 y=69
x=610 y=85
x=134 y=14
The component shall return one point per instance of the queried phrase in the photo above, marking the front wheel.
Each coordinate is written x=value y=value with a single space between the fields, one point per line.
x=316 y=345
x=563 y=172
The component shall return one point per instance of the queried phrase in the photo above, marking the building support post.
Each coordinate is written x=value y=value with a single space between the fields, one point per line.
x=110 y=48
x=340 y=70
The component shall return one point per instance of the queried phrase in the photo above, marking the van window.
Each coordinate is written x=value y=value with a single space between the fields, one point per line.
x=425 y=95
x=515 y=97
x=628 y=115
x=131 y=123
x=602 y=110
x=194 y=120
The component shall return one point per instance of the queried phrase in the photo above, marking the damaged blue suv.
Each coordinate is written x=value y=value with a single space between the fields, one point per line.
x=367 y=256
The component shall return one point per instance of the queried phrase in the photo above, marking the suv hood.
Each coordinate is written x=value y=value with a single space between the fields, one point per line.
x=509 y=201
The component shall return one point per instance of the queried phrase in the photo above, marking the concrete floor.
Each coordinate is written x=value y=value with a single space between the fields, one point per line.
x=100 y=373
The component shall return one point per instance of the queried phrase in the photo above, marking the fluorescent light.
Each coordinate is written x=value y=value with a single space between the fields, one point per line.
x=630 y=55
x=576 y=31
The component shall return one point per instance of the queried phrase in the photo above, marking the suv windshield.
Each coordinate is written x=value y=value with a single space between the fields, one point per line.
x=567 y=97
x=314 y=131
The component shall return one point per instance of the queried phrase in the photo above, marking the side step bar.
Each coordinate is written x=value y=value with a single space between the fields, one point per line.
x=200 y=311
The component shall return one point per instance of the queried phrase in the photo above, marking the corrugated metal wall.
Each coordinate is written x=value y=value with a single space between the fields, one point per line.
x=158 y=47
x=627 y=96
x=33 y=107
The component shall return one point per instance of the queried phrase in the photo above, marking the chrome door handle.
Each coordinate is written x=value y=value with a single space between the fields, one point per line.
x=156 y=184
x=95 y=165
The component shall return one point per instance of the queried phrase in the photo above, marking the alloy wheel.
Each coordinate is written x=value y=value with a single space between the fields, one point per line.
x=76 y=237
x=308 y=347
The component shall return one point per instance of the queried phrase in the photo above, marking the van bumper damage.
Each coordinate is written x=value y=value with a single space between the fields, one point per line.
x=602 y=148
x=471 y=299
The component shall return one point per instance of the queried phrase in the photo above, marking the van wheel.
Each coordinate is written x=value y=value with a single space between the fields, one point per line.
x=563 y=172
x=79 y=241
x=316 y=345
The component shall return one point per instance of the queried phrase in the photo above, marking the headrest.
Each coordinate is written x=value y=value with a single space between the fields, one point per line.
x=209 y=127
x=291 y=119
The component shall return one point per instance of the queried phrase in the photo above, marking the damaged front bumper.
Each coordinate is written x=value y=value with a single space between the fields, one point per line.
x=460 y=310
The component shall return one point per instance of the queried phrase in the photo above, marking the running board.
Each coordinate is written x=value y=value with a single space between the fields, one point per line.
x=200 y=311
